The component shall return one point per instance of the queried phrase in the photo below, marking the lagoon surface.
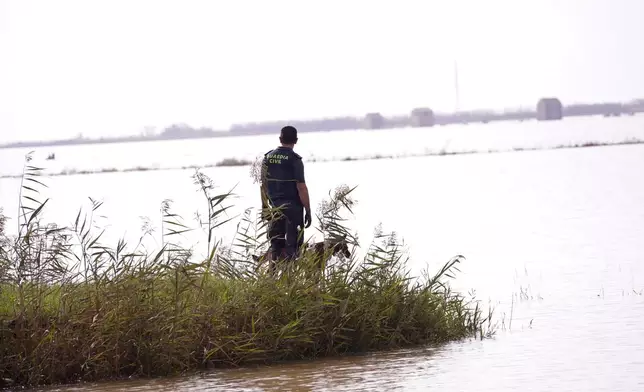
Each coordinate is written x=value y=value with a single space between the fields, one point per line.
x=554 y=240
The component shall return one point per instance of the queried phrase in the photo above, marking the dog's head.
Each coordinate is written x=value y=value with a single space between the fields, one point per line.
x=341 y=248
x=261 y=258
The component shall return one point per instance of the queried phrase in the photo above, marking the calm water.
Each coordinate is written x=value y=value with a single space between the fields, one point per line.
x=335 y=145
x=564 y=227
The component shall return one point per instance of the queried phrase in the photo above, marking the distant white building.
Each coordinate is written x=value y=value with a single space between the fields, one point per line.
x=422 y=117
x=549 y=109
x=374 y=121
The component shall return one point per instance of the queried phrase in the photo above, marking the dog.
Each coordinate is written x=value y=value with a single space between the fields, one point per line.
x=318 y=250
x=336 y=248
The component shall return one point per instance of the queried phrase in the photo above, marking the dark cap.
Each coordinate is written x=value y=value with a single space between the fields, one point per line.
x=288 y=135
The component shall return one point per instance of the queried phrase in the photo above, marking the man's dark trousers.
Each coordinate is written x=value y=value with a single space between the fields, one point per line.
x=286 y=239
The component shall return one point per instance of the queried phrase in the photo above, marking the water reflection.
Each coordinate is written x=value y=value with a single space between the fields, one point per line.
x=389 y=370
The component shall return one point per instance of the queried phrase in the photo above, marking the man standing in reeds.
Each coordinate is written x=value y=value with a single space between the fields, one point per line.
x=284 y=192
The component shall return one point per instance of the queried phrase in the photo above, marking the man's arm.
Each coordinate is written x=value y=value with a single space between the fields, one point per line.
x=262 y=185
x=262 y=191
x=302 y=189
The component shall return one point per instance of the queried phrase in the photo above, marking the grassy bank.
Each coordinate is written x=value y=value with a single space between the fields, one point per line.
x=234 y=162
x=73 y=308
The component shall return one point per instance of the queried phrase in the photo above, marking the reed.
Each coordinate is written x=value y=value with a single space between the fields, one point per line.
x=73 y=308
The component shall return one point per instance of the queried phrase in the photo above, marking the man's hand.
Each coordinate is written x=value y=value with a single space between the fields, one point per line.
x=307 y=219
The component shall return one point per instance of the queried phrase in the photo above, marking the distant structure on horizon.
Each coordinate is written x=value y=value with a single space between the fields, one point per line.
x=374 y=121
x=549 y=109
x=422 y=117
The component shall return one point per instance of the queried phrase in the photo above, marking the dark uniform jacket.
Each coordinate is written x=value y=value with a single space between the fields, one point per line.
x=283 y=169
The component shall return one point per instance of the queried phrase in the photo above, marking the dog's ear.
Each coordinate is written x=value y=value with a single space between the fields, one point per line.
x=345 y=249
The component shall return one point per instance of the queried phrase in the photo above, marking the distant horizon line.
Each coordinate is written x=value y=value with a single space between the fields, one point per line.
x=330 y=123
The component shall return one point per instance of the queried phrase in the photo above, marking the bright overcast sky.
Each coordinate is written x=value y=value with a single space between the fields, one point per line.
x=112 y=67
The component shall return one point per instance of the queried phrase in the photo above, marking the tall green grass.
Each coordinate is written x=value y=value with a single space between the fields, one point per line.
x=73 y=308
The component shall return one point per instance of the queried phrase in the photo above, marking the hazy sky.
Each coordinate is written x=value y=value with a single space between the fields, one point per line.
x=112 y=67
